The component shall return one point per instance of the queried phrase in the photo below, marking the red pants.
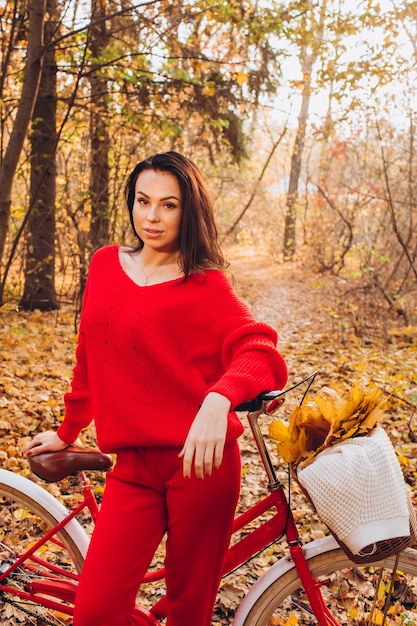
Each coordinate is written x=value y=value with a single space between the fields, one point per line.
x=146 y=495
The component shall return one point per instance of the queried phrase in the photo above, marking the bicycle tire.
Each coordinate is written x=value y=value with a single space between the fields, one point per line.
x=350 y=595
x=26 y=512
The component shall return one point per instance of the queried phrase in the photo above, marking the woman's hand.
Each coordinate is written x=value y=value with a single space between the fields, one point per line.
x=47 y=441
x=205 y=441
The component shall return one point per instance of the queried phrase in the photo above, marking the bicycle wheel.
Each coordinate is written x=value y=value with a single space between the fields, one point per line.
x=24 y=519
x=375 y=595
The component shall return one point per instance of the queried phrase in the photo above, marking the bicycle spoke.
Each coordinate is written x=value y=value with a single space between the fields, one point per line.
x=22 y=524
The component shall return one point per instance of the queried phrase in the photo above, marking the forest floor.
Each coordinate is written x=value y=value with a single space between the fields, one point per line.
x=321 y=326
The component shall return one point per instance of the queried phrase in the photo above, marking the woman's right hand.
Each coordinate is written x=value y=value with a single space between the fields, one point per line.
x=47 y=441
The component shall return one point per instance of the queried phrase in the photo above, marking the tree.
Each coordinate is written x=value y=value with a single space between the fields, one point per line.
x=39 y=291
x=309 y=41
x=31 y=79
x=99 y=40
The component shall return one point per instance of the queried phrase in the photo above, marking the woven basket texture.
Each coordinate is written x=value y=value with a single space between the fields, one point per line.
x=380 y=549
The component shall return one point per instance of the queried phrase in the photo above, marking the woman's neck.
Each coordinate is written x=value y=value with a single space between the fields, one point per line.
x=148 y=267
x=153 y=258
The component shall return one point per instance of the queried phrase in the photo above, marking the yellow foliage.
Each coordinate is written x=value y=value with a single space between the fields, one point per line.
x=325 y=420
x=241 y=78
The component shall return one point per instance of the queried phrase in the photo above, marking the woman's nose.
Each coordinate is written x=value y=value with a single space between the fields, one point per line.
x=153 y=213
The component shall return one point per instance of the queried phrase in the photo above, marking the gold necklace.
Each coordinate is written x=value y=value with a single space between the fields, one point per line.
x=147 y=276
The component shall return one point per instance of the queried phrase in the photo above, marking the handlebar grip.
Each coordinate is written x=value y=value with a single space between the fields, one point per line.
x=250 y=405
x=256 y=403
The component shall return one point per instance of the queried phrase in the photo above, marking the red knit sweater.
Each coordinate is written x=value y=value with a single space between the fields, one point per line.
x=147 y=356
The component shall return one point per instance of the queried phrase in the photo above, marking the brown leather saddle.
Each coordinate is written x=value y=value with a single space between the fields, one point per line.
x=54 y=466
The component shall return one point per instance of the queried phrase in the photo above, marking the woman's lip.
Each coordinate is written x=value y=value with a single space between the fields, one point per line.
x=150 y=231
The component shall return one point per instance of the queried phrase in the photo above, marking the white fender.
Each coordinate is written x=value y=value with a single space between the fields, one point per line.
x=43 y=497
x=277 y=570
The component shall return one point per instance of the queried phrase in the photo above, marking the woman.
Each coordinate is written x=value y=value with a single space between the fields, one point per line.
x=165 y=351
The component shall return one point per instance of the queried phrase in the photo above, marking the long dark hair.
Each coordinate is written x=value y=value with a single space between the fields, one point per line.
x=198 y=245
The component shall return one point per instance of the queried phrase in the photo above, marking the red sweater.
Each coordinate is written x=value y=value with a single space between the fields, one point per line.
x=147 y=356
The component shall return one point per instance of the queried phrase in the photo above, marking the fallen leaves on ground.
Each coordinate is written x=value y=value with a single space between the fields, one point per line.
x=316 y=332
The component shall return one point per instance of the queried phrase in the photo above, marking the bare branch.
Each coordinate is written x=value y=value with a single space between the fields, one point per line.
x=255 y=189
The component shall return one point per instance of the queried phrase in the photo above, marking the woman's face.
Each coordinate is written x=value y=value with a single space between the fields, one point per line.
x=157 y=210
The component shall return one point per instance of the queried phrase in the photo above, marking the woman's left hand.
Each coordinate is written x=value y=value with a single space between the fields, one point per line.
x=204 y=445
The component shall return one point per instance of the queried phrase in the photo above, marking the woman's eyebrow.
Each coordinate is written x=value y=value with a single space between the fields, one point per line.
x=142 y=193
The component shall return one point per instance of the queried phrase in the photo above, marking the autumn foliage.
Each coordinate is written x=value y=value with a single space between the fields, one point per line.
x=325 y=420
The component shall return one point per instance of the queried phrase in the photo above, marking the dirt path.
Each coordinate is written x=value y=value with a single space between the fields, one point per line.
x=278 y=294
x=323 y=325
x=289 y=298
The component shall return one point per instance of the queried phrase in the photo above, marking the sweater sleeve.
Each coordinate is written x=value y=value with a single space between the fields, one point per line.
x=252 y=363
x=78 y=414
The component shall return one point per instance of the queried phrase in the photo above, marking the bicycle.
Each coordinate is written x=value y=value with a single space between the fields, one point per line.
x=43 y=546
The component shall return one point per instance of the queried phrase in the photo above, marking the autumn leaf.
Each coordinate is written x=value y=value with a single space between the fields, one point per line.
x=241 y=78
x=327 y=419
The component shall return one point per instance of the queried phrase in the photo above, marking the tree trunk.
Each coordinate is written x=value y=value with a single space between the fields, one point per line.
x=39 y=292
x=34 y=60
x=99 y=135
x=307 y=60
x=292 y=195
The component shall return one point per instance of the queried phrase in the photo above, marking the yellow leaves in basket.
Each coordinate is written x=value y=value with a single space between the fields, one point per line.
x=328 y=418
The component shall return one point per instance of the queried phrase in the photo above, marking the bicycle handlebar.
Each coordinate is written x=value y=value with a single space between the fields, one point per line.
x=256 y=403
x=268 y=396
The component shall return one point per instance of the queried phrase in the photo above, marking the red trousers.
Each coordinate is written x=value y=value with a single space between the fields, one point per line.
x=146 y=495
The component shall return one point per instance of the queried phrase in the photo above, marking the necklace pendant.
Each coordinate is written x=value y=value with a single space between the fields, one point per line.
x=145 y=282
